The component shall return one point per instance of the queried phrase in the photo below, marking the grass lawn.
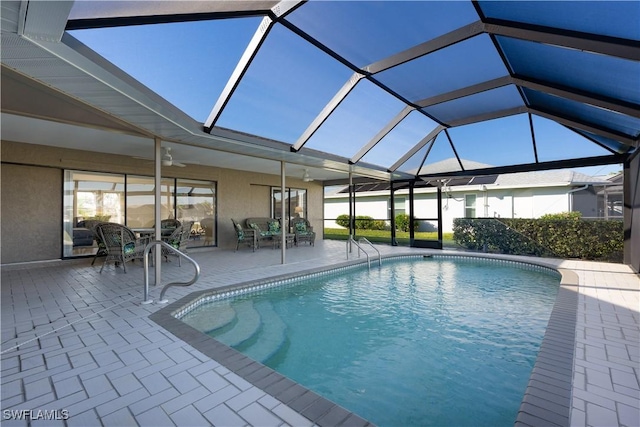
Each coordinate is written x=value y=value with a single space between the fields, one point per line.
x=383 y=236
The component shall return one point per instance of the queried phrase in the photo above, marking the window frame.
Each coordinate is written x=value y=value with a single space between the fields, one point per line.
x=467 y=207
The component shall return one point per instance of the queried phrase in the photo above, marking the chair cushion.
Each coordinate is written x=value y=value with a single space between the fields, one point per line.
x=239 y=231
x=274 y=227
x=301 y=227
x=129 y=248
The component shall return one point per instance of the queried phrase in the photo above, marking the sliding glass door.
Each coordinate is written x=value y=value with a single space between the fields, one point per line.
x=130 y=200
x=295 y=203
x=89 y=196
x=141 y=200
x=196 y=204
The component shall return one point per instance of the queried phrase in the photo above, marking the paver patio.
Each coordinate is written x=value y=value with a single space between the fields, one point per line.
x=81 y=343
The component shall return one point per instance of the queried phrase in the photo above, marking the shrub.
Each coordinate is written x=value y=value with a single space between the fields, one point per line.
x=379 y=224
x=402 y=223
x=343 y=220
x=574 y=238
x=573 y=216
x=362 y=222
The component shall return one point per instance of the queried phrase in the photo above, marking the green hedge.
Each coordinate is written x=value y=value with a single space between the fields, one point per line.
x=563 y=238
x=402 y=223
x=362 y=222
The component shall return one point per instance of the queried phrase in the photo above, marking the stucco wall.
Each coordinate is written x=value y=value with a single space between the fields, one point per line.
x=32 y=178
x=31 y=213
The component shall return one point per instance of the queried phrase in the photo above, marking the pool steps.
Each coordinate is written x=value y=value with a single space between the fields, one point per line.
x=203 y=321
x=254 y=329
x=248 y=323
x=271 y=337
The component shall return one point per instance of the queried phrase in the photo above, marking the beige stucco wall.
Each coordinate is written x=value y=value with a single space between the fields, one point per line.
x=31 y=190
x=31 y=205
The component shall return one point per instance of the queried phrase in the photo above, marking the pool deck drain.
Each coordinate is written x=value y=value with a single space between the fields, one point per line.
x=78 y=341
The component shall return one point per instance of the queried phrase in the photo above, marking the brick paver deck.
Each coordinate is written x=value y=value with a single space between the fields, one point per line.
x=79 y=346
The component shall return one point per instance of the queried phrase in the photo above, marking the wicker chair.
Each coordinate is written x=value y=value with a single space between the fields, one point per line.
x=120 y=243
x=244 y=235
x=178 y=239
x=264 y=229
x=91 y=225
x=303 y=231
x=208 y=228
x=168 y=226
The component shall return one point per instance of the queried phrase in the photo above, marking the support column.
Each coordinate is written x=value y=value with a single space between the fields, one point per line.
x=283 y=225
x=440 y=214
x=157 y=211
x=412 y=233
x=394 y=241
x=351 y=206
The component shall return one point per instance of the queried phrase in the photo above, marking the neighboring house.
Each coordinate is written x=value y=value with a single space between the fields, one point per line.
x=517 y=195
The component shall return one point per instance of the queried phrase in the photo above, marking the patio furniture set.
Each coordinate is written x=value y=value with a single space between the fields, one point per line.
x=120 y=244
x=257 y=231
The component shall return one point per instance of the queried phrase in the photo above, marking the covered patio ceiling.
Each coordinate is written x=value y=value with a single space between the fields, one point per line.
x=383 y=88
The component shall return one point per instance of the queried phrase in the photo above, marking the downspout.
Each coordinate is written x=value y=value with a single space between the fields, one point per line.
x=486 y=201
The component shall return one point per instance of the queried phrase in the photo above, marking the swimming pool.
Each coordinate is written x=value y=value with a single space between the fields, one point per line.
x=421 y=342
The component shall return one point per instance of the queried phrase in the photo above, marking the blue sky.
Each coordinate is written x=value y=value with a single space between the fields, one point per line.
x=289 y=83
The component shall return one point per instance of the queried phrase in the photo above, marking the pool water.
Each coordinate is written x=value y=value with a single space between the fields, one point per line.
x=421 y=342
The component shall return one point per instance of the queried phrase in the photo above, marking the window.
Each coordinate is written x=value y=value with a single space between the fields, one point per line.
x=103 y=196
x=399 y=205
x=295 y=203
x=141 y=200
x=196 y=202
x=89 y=196
x=470 y=206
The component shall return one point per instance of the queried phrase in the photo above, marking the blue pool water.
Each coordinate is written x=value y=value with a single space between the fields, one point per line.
x=414 y=343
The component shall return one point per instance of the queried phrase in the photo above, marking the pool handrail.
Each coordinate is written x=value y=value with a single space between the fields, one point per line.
x=365 y=240
x=147 y=250
x=350 y=241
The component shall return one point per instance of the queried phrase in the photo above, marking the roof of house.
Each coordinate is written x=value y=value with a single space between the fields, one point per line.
x=562 y=177
x=552 y=177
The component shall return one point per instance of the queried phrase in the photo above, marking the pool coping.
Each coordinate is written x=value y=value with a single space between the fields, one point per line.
x=547 y=398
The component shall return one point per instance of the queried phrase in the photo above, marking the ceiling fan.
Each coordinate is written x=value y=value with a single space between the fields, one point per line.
x=166 y=158
x=306 y=177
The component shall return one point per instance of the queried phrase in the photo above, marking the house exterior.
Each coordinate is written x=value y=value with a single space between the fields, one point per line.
x=517 y=195
x=47 y=190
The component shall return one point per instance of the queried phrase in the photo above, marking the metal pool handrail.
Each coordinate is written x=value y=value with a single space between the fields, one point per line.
x=365 y=240
x=147 y=250
x=351 y=240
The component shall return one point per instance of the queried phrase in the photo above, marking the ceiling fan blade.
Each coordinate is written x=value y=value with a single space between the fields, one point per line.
x=306 y=177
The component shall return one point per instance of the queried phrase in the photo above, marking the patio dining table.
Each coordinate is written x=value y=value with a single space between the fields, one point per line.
x=150 y=233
